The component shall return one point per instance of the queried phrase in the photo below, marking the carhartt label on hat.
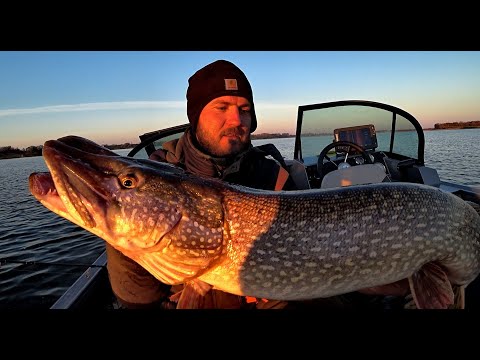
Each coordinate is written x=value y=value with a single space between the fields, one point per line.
x=231 y=84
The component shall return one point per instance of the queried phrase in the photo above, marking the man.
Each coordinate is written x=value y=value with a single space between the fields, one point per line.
x=222 y=115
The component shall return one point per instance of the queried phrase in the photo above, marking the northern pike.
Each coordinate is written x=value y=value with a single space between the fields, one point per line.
x=282 y=245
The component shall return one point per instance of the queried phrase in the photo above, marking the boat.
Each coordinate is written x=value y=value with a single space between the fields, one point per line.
x=339 y=143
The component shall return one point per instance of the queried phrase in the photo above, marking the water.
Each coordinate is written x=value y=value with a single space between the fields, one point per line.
x=42 y=254
x=454 y=153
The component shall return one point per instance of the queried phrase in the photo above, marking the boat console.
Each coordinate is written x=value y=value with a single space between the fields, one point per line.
x=355 y=142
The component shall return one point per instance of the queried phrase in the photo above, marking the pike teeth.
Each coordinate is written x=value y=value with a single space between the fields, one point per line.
x=52 y=192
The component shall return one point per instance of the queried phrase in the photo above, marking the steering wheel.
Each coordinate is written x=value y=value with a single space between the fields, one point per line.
x=321 y=167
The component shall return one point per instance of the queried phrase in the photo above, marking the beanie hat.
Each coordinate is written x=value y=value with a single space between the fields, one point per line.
x=220 y=78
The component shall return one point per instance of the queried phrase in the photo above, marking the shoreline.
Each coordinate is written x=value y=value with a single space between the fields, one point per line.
x=32 y=151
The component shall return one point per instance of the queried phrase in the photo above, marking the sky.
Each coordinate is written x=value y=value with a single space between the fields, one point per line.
x=112 y=97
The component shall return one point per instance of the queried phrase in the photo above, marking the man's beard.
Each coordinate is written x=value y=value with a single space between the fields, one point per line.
x=211 y=148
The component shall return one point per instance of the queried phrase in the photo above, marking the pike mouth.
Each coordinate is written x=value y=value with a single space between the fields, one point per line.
x=69 y=188
x=70 y=205
x=43 y=189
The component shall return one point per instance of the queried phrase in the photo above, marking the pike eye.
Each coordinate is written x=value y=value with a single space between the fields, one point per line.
x=128 y=182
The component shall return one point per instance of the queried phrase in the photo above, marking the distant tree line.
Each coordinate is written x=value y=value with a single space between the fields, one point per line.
x=270 y=136
x=9 y=152
x=458 y=125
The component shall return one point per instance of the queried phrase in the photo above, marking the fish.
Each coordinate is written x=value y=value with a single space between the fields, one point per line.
x=283 y=245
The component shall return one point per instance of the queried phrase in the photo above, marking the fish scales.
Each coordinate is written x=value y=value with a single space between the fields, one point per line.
x=286 y=245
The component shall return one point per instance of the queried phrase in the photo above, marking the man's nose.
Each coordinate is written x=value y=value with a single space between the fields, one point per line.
x=233 y=116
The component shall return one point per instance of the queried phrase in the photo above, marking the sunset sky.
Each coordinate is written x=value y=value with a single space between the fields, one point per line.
x=114 y=96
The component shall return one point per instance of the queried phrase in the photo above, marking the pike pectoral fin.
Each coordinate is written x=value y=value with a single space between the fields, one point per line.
x=431 y=288
x=192 y=296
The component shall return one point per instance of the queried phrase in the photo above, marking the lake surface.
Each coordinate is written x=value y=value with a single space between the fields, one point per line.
x=42 y=254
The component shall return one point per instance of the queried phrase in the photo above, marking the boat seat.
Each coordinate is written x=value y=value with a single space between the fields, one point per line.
x=355 y=175
x=298 y=173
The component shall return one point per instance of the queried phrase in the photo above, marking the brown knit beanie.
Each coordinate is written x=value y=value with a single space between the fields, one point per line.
x=217 y=79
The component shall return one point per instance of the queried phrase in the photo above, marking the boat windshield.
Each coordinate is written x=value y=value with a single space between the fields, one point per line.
x=383 y=127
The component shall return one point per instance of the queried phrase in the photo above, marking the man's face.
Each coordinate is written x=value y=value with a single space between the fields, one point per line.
x=223 y=127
